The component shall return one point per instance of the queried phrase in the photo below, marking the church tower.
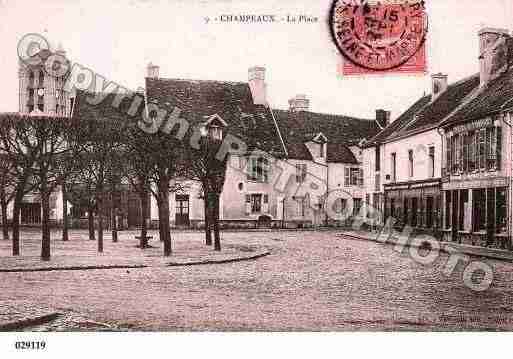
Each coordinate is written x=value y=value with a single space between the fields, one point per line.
x=41 y=90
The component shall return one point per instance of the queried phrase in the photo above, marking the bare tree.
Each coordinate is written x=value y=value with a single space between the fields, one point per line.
x=204 y=166
x=164 y=153
x=44 y=142
x=101 y=142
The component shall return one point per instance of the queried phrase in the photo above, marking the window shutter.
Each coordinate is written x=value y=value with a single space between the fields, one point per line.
x=499 y=148
x=448 y=155
x=265 y=206
x=347 y=177
x=248 y=204
x=360 y=177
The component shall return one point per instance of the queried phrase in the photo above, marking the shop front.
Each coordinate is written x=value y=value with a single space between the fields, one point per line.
x=416 y=204
x=476 y=212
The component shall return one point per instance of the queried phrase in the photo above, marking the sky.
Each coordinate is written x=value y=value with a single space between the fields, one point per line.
x=118 y=38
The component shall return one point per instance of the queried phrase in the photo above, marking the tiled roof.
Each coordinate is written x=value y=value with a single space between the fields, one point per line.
x=490 y=99
x=299 y=151
x=340 y=153
x=445 y=104
x=426 y=113
x=400 y=122
x=302 y=126
x=232 y=101
x=84 y=110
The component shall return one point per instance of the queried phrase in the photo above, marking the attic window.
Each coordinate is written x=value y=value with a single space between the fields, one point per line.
x=215 y=132
x=322 y=148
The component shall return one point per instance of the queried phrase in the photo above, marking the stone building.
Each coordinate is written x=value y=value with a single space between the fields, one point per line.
x=477 y=170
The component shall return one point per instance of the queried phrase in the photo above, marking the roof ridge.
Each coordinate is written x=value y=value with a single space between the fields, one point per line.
x=332 y=114
x=197 y=80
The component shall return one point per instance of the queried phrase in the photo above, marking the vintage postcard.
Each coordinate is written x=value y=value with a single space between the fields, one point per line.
x=238 y=166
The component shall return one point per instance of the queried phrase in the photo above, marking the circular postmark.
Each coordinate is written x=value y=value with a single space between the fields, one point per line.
x=377 y=35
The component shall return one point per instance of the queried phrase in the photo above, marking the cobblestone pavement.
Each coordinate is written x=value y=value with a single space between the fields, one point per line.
x=311 y=281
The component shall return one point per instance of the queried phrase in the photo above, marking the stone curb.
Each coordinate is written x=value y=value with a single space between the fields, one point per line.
x=28 y=322
x=256 y=255
x=449 y=248
x=75 y=268
x=220 y=261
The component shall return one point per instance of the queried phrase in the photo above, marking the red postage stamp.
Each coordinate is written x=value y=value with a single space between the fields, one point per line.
x=380 y=37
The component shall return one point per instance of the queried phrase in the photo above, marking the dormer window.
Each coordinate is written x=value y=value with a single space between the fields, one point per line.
x=214 y=127
x=321 y=140
x=322 y=148
x=215 y=132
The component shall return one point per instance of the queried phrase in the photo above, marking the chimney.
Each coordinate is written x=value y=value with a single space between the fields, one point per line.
x=152 y=71
x=439 y=84
x=382 y=118
x=493 y=53
x=256 y=80
x=299 y=103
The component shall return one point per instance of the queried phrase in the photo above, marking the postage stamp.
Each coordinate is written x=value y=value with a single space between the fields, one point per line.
x=380 y=37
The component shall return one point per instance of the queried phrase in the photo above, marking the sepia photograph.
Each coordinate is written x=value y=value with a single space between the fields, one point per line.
x=189 y=170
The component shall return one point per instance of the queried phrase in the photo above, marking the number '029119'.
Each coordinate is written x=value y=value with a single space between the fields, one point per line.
x=27 y=345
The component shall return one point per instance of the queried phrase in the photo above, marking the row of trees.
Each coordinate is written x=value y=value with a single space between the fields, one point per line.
x=89 y=159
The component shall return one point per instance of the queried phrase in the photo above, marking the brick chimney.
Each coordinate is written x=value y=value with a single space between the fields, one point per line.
x=439 y=84
x=493 y=53
x=299 y=103
x=152 y=71
x=382 y=118
x=256 y=80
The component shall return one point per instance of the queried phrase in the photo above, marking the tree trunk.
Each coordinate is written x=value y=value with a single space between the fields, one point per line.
x=90 y=222
x=5 y=228
x=144 y=224
x=217 y=237
x=99 y=201
x=65 y=224
x=45 y=227
x=113 y=215
x=208 y=229
x=164 y=224
x=16 y=224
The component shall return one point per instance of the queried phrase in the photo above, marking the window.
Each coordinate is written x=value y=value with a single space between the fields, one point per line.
x=41 y=107
x=41 y=78
x=471 y=140
x=378 y=158
x=215 y=132
x=394 y=167
x=256 y=203
x=482 y=148
x=431 y=162
x=300 y=172
x=300 y=206
x=259 y=170
x=322 y=148
x=353 y=177
x=410 y=163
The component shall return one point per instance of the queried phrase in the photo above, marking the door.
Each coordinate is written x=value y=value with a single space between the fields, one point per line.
x=182 y=210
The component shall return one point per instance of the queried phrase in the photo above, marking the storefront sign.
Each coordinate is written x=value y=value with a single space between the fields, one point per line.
x=477 y=183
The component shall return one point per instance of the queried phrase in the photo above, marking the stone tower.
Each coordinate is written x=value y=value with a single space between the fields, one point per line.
x=42 y=91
